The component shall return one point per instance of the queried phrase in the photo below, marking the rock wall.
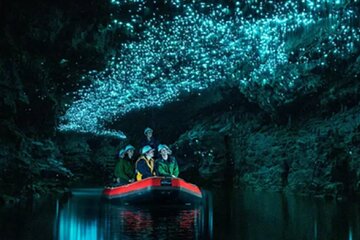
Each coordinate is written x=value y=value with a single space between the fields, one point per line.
x=45 y=47
x=316 y=155
x=91 y=159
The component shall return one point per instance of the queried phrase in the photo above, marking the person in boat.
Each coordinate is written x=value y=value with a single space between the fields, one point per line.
x=121 y=153
x=144 y=166
x=149 y=139
x=166 y=165
x=124 y=169
x=119 y=156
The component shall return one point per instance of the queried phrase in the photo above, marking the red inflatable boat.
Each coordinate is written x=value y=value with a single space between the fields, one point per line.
x=155 y=190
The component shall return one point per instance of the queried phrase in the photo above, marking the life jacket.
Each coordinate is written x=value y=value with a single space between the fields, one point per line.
x=149 y=163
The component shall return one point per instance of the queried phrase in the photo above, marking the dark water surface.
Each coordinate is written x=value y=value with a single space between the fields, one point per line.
x=236 y=215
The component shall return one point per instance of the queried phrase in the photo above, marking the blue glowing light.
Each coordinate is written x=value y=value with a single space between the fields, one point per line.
x=195 y=50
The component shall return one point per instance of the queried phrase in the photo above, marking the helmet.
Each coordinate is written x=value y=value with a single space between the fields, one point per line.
x=121 y=153
x=147 y=130
x=146 y=149
x=129 y=147
x=163 y=146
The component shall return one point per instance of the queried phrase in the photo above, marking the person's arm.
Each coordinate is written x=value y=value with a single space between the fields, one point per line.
x=163 y=170
x=175 y=171
x=144 y=169
x=129 y=171
x=122 y=171
x=156 y=167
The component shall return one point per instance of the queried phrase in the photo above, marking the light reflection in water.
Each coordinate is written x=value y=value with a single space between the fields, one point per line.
x=280 y=216
x=315 y=230
x=237 y=215
x=88 y=217
x=77 y=220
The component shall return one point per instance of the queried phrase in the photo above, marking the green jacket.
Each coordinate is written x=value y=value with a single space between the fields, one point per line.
x=166 y=168
x=124 y=170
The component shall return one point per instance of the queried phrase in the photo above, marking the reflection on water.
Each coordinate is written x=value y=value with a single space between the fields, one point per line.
x=89 y=217
x=150 y=223
x=237 y=215
x=256 y=215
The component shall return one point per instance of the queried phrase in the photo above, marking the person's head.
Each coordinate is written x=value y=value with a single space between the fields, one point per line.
x=147 y=151
x=129 y=150
x=148 y=132
x=121 y=153
x=164 y=150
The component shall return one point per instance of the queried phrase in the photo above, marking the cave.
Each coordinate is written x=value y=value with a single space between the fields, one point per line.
x=261 y=96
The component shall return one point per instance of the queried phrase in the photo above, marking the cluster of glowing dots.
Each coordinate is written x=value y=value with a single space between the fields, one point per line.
x=176 y=3
x=196 y=50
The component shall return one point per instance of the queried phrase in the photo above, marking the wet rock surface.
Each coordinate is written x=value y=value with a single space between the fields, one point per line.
x=317 y=156
x=91 y=159
x=32 y=169
x=42 y=58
